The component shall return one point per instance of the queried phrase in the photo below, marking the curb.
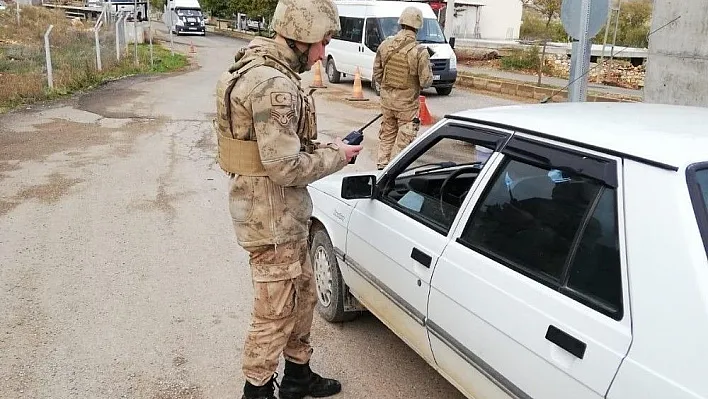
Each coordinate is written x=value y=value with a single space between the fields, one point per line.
x=493 y=85
x=231 y=33
x=523 y=90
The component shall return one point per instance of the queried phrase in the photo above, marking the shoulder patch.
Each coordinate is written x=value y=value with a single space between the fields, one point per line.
x=283 y=108
x=281 y=99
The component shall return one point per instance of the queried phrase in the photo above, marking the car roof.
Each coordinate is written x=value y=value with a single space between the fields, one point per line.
x=383 y=8
x=675 y=135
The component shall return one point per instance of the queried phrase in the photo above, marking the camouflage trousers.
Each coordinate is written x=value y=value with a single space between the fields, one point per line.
x=398 y=129
x=283 y=306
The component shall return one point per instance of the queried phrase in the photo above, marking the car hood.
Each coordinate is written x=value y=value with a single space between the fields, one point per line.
x=442 y=50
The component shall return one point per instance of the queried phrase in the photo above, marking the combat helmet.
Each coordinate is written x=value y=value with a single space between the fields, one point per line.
x=307 y=21
x=411 y=16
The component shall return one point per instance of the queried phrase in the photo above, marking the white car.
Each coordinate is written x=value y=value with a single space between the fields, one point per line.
x=538 y=251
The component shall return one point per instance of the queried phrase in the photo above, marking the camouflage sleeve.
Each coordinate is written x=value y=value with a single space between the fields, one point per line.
x=425 y=72
x=378 y=66
x=276 y=111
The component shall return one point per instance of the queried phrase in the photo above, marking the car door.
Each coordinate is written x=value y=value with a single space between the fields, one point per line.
x=529 y=299
x=395 y=238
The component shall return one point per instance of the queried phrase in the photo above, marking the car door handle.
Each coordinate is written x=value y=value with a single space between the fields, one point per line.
x=566 y=341
x=421 y=257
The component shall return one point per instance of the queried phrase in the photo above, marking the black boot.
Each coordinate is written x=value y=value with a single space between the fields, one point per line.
x=266 y=391
x=299 y=381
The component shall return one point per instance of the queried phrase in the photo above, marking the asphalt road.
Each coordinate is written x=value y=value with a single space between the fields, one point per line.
x=120 y=276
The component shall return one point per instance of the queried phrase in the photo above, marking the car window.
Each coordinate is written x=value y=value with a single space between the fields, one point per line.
x=555 y=226
x=698 y=185
x=702 y=181
x=433 y=184
x=595 y=271
x=352 y=29
x=530 y=218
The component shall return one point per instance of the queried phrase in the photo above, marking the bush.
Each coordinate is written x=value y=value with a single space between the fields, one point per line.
x=533 y=27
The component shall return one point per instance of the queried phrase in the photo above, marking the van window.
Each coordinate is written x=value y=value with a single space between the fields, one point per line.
x=430 y=32
x=352 y=29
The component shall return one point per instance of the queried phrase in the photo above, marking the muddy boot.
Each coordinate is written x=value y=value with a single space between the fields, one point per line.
x=266 y=391
x=299 y=381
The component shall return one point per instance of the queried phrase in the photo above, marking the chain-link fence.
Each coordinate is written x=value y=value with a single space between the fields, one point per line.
x=48 y=52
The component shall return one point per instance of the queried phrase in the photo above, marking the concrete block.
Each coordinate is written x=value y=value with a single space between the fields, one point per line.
x=509 y=88
x=494 y=85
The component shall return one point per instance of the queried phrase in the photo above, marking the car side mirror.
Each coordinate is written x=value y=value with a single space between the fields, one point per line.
x=451 y=41
x=357 y=187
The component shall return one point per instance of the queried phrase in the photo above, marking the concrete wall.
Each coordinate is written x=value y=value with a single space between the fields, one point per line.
x=677 y=67
x=500 y=19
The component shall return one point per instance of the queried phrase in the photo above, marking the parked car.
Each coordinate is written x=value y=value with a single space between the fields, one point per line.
x=3 y=5
x=537 y=251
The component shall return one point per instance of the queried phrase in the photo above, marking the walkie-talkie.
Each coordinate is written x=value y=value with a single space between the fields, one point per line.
x=357 y=136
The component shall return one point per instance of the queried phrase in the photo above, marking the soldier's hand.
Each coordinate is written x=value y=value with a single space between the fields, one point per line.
x=350 y=151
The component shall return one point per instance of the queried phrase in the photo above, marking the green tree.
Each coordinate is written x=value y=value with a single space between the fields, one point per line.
x=633 y=25
x=549 y=10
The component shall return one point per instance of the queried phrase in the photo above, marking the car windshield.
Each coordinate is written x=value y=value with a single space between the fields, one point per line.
x=430 y=32
x=189 y=13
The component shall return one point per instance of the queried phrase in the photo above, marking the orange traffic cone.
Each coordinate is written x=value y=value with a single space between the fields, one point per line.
x=317 y=81
x=357 y=93
x=424 y=115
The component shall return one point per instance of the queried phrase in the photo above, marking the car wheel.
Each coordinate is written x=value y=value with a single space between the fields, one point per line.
x=328 y=279
x=332 y=74
x=443 y=91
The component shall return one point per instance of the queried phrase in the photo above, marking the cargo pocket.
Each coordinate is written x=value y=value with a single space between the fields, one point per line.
x=241 y=198
x=274 y=300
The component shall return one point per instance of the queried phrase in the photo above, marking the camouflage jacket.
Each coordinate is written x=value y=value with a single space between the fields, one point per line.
x=419 y=72
x=268 y=105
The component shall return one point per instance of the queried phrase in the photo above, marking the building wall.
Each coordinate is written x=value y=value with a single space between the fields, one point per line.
x=677 y=66
x=500 y=19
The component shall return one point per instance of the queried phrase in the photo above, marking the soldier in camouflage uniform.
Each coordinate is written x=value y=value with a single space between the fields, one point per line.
x=266 y=127
x=402 y=69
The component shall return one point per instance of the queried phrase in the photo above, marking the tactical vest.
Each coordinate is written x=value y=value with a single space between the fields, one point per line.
x=242 y=157
x=397 y=73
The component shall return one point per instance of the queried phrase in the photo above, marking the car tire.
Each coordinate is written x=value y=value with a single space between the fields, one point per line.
x=443 y=91
x=332 y=74
x=328 y=279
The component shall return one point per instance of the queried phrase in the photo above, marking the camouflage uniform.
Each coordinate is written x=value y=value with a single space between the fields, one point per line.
x=265 y=126
x=402 y=67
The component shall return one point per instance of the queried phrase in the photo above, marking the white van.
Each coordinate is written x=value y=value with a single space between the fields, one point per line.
x=184 y=16
x=366 y=23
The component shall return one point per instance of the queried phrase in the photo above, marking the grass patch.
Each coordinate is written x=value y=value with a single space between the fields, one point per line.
x=23 y=71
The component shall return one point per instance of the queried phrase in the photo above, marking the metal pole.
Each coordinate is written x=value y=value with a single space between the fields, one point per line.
x=604 y=43
x=98 y=44
x=120 y=17
x=614 y=36
x=169 y=28
x=125 y=30
x=135 y=30
x=580 y=59
x=152 y=62
x=48 y=54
